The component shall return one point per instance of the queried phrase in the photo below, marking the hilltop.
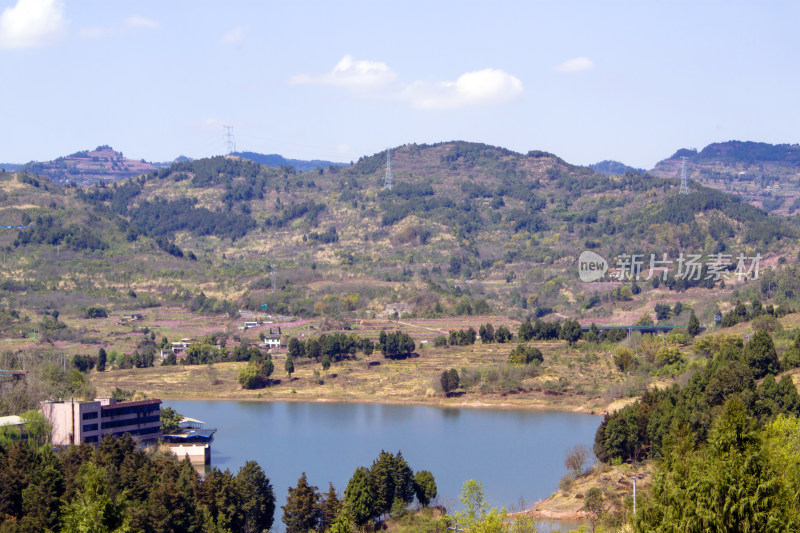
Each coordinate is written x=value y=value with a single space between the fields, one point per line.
x=276 y=160
x=765 y=175
x=88 y=167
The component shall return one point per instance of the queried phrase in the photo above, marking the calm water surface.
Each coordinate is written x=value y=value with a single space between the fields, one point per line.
x=516 y=454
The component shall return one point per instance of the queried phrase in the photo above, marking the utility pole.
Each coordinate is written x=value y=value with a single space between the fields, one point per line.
x=230 y=143
x=388 y=180
x=684 y=179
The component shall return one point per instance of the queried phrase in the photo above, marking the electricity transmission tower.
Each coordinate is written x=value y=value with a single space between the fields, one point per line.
x=684 y=179
x=230 y=143
x=388 y=181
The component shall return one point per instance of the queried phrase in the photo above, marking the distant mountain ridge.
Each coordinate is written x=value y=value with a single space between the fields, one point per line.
x=613 y=168
x=765 y=175
x=277 y=161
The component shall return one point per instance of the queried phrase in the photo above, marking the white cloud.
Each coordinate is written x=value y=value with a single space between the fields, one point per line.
x=373 y=78
x=130 y=25
x=32 y=23
x=138 y=22
x=483 y=87
x=235 y=35
x=576 y=64
x=358 y=75
x=96 y=32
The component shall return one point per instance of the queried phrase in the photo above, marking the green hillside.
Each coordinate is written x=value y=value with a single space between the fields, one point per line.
x=467 y=228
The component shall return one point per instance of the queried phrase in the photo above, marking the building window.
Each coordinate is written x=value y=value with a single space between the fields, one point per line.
x=90 y=439
x=89 y=427
x=89 y=416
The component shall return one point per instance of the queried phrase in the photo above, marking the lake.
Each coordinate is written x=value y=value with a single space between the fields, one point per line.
x=518 y=455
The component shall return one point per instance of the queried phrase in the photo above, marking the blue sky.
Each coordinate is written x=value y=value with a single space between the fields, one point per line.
x=631 y=81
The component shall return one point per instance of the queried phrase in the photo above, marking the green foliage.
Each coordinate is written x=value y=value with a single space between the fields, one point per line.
x=730 y=484
x=93 y=509
x=625 y=359
x=425 y=487
x=570 y=331
x=668 y=355
x=396 y=344
x=694 y=325
x=525 y=355
x=101 y=359
x=475 y=507
x=170 y=419
x=256 y=374
x=449 y=381
x=358 y=497
x=761 y=356
x=302 y=512
x=639 y=430
x=289 y=366
x=95 y=312
x=463 y=337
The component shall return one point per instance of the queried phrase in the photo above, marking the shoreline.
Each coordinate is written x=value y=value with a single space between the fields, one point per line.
x=485 y=403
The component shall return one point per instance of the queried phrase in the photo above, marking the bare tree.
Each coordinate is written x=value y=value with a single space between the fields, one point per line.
x=575 y=460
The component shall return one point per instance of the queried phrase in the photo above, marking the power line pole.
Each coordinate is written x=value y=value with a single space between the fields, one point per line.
x=230 y=143
x=684 y=179
x=388 y=181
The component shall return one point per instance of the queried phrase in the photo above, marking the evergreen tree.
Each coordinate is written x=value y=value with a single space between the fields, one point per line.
x=329 y=507
x=301 y=512
x=571 y=331
x=101 y=360
x=92 y=509
x=424 y=487
x=257 y=498
x=296 y=349
x=525 y=332
x=289 y=366
x=761 y=356
x=358 y=497
x=694 y=325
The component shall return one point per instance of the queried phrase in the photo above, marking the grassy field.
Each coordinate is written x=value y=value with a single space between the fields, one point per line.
x=579 y=378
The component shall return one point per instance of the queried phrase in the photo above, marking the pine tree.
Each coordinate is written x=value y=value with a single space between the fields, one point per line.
x=694 y=325
x=358 y=499
x=301 y=512
x=101 y=360
x=329 y=508
x=289 y=366
x=257 y=498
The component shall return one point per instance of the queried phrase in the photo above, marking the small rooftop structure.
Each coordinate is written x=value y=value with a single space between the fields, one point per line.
x=191 y=441
x=191 y=423
x=12 y=375
x=11 y=421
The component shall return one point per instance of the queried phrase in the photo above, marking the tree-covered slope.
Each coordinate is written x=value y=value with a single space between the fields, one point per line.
x=510 y=224
x=764 y=175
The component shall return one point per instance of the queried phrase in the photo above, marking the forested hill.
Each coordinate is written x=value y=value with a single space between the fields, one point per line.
x=765 y=175
x=276 y=160
x=88 y=167
x=459 y=212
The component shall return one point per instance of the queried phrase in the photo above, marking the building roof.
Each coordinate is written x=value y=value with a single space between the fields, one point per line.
x=12 y=420
x=190 y=435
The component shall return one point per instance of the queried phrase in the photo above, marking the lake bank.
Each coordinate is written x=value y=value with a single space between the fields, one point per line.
x=393 y=383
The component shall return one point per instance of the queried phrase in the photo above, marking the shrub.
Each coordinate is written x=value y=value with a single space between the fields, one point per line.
x=525 y=355
x=96 y=312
